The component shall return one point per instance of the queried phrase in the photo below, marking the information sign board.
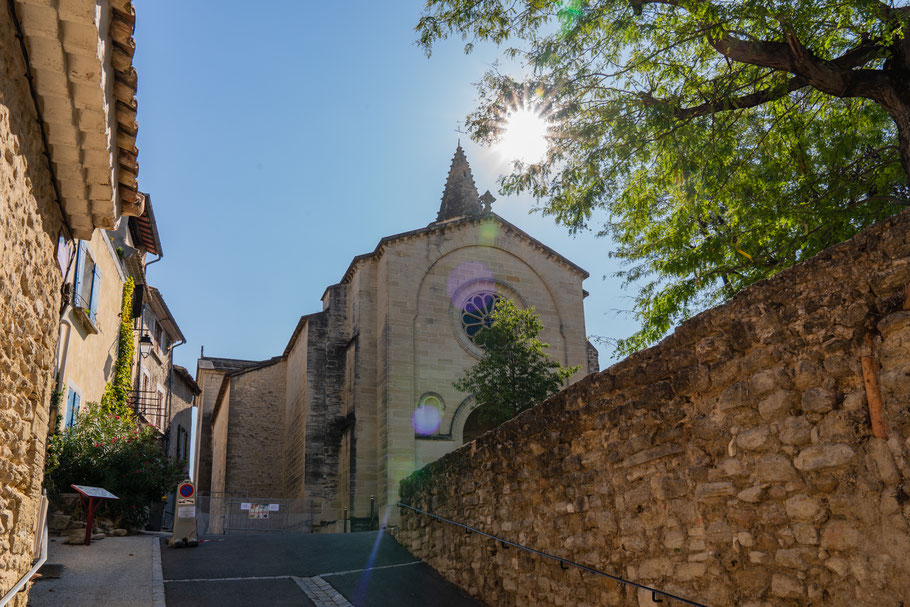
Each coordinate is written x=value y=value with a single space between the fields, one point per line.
x=95 y=492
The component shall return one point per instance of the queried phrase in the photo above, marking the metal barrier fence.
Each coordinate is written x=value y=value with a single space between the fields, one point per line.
x=232 y=514
x=238 y=513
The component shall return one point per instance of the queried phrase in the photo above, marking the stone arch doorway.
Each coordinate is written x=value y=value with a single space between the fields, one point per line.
x=474 y=427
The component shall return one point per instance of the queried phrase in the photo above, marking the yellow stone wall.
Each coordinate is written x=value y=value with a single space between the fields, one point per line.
x=30 y=281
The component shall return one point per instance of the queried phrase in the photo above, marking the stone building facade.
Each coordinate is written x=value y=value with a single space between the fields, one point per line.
x=88 y=335
x=67 y=167
x=154 y=372
x=738 y=462
x=362 y=395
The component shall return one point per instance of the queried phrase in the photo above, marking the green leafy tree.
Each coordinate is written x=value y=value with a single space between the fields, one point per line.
x=110 y=450
x=514 y=373
x=715 y=142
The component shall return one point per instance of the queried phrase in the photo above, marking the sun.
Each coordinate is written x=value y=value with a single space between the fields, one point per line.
x=524 y=135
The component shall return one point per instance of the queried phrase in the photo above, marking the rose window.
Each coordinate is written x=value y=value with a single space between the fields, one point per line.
x=477 y=313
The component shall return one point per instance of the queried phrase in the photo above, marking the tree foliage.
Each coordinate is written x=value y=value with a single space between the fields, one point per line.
x=514 y=373
x=720 y=141
x=113 y=451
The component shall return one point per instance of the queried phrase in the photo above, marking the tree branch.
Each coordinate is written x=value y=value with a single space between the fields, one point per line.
x=738 y=103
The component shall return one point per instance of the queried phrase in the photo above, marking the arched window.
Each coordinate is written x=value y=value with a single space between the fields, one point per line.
x=428 y=414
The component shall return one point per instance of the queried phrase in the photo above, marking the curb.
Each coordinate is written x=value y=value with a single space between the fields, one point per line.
x=157 y=575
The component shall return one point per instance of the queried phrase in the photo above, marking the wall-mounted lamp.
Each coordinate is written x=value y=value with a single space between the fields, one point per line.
x=145 y=345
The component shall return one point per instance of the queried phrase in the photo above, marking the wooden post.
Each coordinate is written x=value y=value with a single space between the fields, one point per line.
x=873 y=393
x=90 y=508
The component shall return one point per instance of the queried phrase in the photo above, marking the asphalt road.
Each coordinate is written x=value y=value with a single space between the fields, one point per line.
x=367 y=569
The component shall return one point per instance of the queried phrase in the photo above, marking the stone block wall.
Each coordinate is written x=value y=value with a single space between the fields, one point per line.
x=254 y=458
x=30 y=282
x=209 y=380
x=732 y=464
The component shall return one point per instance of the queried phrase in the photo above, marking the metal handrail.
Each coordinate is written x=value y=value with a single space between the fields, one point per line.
x=563 y=562
x=41 y=558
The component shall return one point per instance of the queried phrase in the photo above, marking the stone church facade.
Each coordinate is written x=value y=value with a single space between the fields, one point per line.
x=362 y=395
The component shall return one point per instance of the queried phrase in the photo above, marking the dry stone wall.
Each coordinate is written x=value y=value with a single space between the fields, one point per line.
x=733 y=463
x=29 y=308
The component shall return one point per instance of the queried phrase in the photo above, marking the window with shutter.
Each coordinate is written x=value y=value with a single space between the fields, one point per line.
x=87 y=282
x=72 y=408
x=95 y=292
x=80 y=266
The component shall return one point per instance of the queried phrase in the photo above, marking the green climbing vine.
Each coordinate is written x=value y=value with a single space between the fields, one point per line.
x=116 y=393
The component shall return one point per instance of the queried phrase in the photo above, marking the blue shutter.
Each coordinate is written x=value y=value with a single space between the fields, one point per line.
x=72 y=404
x=96 y=286
x=80 y=266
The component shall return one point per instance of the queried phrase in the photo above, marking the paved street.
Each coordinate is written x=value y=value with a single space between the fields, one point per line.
x=361 y=569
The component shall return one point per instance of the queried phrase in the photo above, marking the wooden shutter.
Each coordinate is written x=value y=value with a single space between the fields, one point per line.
x=72 y=408
x=80 y=266
x=96 y=287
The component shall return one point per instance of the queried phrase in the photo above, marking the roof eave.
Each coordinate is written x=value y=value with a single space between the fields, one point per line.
x=91 y=140
x=163 y=313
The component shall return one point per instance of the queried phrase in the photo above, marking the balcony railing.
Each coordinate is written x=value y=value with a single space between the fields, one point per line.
x=149 y=406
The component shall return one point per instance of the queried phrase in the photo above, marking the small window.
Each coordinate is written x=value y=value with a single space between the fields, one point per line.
x=159 y=332
x=179 y=440
x=159 y=411
x=182 y=449
x=87 y=286
x=72 y=408
x=428 y=415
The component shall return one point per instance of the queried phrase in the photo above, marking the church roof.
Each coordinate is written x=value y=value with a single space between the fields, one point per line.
x=380 y=248
x=460 y=205
x=460 y=196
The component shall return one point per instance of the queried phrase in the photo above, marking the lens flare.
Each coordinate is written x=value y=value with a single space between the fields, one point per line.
x=426 y=420
x=469 y=272
x=363 y=583
x=487 y=234
x=524 y=135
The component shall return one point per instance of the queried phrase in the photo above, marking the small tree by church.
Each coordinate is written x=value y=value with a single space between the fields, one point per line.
x=515 y=373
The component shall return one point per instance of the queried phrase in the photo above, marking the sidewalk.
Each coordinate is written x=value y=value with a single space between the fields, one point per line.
x=115 y=571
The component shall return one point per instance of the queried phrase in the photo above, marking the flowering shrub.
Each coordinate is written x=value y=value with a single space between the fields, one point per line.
x=111 y=450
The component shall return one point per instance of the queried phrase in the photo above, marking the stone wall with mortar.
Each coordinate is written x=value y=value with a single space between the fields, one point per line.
x=732 y=464
x=422 y=282
x=209 y=380
x=30 y=281
x=253 y=458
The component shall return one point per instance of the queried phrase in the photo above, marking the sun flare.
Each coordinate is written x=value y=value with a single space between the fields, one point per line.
x=524 y=136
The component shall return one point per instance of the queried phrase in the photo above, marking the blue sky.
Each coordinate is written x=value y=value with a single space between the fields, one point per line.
x=278 y=144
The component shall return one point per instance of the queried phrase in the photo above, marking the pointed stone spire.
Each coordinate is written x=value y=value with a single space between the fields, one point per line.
x=460 y=196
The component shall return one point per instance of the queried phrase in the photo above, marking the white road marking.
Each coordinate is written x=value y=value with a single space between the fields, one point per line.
x=317 y=589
